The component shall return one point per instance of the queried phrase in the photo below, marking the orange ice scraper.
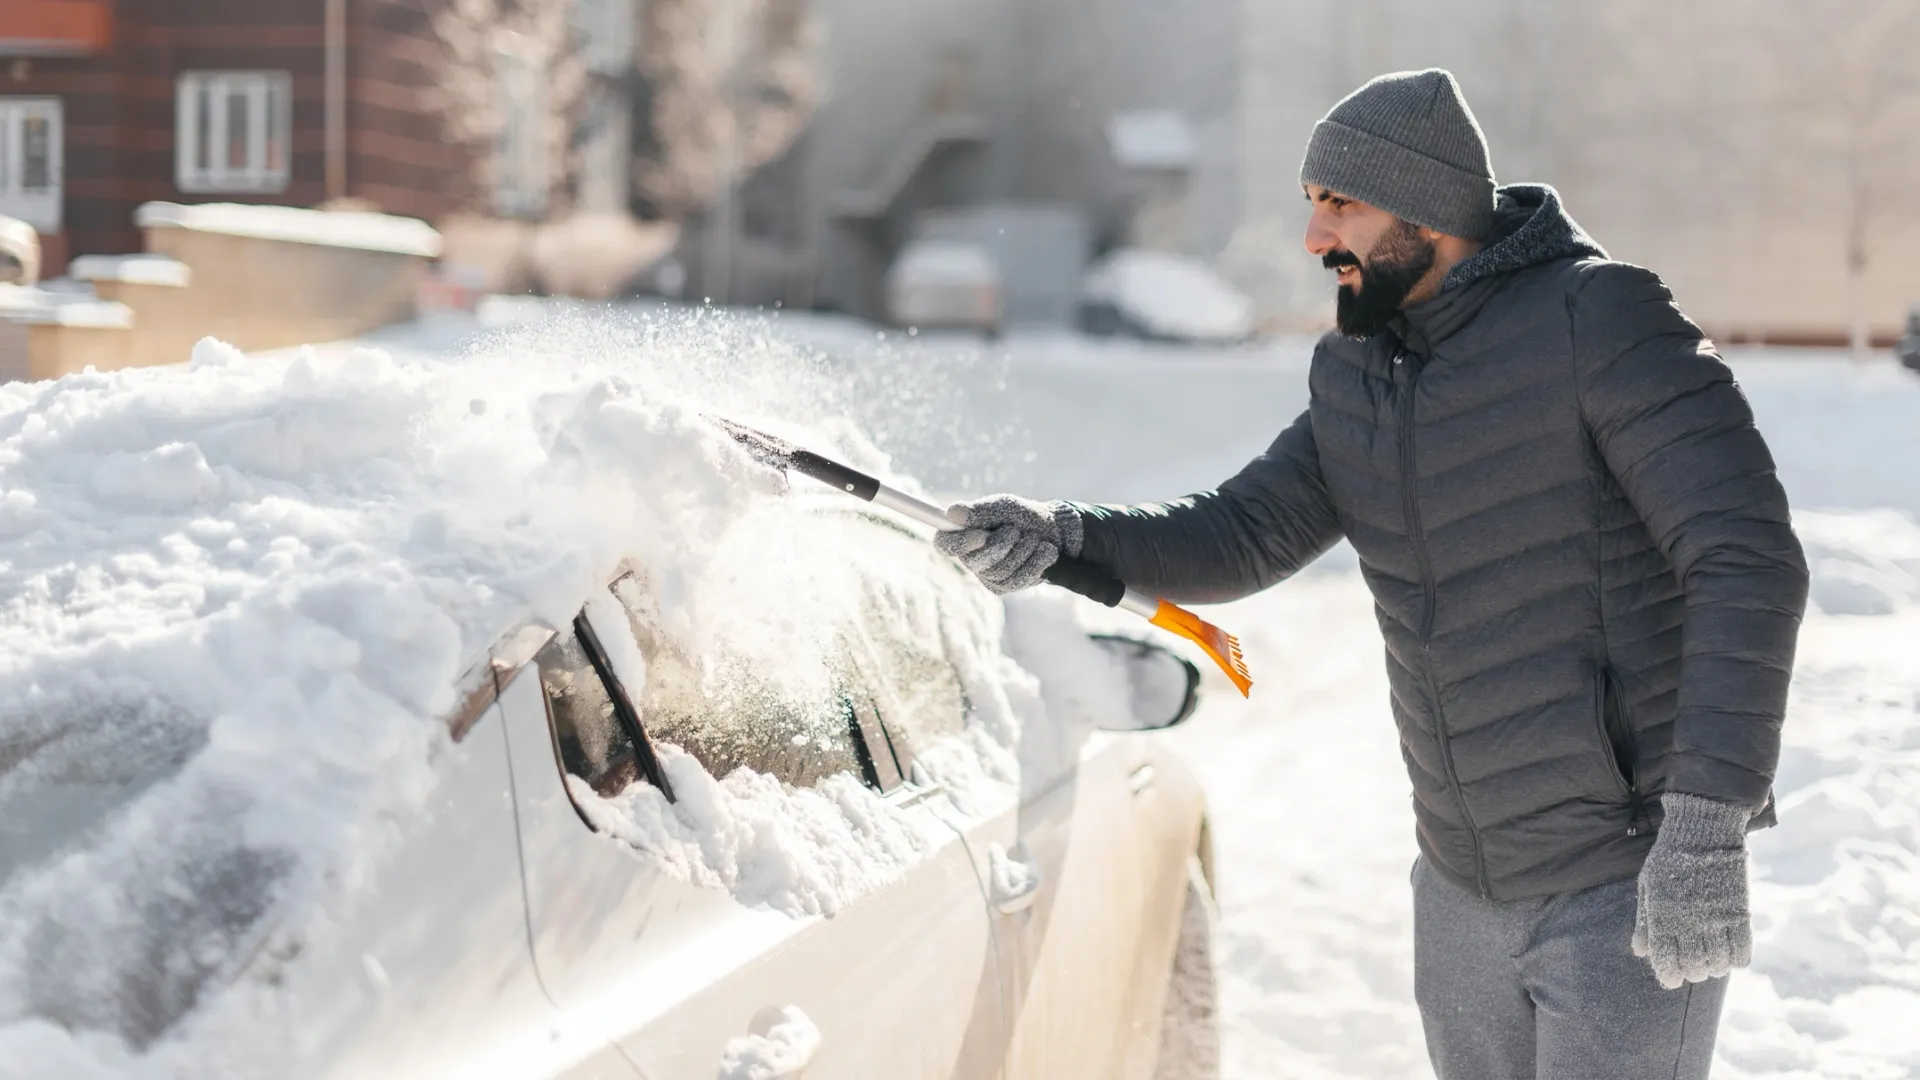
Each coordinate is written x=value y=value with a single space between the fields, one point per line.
x=1069 y=573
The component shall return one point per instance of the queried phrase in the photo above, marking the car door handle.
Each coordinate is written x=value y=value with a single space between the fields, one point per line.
x=1140 y=779
x=1016 y=881
x=779 y=1045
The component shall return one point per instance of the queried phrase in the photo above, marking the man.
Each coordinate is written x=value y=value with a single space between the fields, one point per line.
x=1583 y=568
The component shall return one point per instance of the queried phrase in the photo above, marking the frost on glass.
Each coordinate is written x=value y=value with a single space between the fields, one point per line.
x=782 y=694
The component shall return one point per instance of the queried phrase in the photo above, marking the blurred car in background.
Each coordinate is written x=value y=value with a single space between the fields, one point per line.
x=19 y=252
x=1163 y=296
x=1908 y=347
x=945 y=284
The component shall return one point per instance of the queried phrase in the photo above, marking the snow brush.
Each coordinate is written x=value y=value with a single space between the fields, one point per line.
x=1069 y=573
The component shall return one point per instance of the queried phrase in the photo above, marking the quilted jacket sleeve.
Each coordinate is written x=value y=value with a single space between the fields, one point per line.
x=1258 y=528
x=1679 y=437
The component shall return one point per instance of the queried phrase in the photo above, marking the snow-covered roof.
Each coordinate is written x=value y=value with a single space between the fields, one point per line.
x=1152 y=139
x=142 y=269
x=54 y=307
x=336 y=228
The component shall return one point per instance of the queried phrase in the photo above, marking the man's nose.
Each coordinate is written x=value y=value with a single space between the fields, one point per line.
x=1319 y=238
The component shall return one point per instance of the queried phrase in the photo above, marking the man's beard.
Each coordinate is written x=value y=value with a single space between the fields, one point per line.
x=1399 y=261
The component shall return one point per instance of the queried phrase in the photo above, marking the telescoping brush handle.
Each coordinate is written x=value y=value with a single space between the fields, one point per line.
x=1069 y=573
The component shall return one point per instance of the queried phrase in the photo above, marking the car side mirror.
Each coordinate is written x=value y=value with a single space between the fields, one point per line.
x=1163 y=687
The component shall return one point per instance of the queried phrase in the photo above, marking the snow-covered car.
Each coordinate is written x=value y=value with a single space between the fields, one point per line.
x=944 y=284
x=349 y=734
x=1162 y=296
x=19 y=252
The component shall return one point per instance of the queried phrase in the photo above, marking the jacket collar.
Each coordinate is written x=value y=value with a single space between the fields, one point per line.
x=1530 y=228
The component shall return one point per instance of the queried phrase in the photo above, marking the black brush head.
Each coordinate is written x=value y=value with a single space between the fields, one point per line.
x=766 y=449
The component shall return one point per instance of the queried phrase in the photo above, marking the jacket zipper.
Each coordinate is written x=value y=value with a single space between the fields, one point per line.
x=1613 y=717
x=1411 y=504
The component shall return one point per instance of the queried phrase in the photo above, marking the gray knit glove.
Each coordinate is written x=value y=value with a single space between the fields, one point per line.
x=1009 y=541
x=1693 y=923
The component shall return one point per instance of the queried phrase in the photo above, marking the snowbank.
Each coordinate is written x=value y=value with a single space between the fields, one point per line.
x=234 y=597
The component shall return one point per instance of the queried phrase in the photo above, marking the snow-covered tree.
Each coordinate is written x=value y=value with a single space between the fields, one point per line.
x=510 y=84
x=727 y=87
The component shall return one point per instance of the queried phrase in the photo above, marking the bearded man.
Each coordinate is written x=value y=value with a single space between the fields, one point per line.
x=1583 y=568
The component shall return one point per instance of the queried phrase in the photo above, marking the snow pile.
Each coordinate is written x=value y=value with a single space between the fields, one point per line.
x=780 y=1052
x=1170 y=296
x=1835 y=986
x=806 y=851
x=234 y=597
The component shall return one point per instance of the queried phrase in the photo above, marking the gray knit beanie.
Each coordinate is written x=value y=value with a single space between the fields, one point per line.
x=1408 y=144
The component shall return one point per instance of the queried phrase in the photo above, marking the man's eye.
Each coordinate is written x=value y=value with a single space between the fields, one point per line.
x=1337 y=203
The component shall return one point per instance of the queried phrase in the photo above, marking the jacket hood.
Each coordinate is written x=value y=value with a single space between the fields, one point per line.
x=1529 y=227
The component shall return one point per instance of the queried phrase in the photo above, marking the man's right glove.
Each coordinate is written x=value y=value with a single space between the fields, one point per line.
x=1009 y=541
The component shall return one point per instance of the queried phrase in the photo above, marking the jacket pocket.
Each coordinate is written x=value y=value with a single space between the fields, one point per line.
x=1616 y=735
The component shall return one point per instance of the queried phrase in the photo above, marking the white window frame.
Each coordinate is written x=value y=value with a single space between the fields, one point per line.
x=200 y=163
x=40 y=207
x=521 y=179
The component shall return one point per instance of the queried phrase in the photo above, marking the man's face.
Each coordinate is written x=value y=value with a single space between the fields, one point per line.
x=1377 y=259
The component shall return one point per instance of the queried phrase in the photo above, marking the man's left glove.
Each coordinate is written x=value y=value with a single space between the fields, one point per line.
x=1693 y=923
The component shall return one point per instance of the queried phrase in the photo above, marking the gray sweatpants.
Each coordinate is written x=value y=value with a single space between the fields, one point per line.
x=1550 y=988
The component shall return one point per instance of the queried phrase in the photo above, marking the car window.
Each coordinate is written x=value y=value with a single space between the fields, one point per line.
x=588 y=734
x=893 y=688
x=738 y=721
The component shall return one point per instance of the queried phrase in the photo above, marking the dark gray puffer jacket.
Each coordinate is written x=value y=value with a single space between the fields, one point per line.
x=1579 y=554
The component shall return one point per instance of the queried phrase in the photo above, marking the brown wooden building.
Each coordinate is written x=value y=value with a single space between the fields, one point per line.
x=107 y=104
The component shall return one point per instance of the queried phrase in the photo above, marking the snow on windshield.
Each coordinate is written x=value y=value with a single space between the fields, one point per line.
x=237 y=594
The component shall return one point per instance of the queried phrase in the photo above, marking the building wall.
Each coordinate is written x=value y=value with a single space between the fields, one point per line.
x=119 y=112
x=118 y=107
x=397 y=156
x=1705 y=141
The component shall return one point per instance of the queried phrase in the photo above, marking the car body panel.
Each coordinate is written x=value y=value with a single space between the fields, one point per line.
x=1076 y=981
x=901 y=983
x=426 y=971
